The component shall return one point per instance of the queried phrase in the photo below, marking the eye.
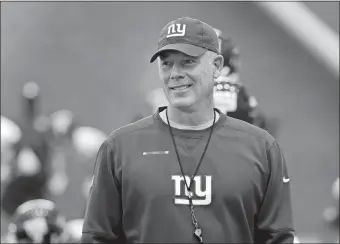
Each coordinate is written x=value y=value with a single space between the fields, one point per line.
x=189 y=61
x=165 y=63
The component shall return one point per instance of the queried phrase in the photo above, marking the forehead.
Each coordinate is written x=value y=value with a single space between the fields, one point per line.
x=174 y=54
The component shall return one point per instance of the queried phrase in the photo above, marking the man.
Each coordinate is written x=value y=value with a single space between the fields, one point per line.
x=189 y=173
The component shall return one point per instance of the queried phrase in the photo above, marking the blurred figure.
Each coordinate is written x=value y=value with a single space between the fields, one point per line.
x=231 y=95
x=72 y=231
x=35 y=221
x=29 y=165
x=75 y=150
x=10 y=136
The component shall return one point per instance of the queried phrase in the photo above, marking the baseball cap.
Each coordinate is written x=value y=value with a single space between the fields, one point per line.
x=190 y=36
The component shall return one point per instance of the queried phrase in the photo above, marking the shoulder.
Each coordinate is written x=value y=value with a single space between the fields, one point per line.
x=249 y=132
x=133 y=129
x=252 y=143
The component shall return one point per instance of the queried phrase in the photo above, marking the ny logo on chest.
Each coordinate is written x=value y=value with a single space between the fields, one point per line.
x=201 y=195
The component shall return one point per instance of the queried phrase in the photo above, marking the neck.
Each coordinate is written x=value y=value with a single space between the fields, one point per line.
x=191 y=117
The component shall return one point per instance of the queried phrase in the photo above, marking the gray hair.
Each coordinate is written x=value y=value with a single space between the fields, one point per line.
x=211 y=55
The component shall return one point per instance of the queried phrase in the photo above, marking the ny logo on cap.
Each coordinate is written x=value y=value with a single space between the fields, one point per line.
x=176 y=30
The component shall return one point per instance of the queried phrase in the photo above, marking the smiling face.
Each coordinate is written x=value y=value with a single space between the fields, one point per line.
x=188 y=81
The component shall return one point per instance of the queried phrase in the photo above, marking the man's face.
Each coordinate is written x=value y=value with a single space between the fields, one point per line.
x=187 y=81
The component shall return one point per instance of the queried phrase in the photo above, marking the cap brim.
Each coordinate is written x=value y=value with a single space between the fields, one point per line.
x=188 y=49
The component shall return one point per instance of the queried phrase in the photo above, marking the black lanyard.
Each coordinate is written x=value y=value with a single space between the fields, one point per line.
x=198 y=231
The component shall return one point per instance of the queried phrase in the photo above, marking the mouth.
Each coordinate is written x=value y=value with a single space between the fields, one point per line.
x=180 y=88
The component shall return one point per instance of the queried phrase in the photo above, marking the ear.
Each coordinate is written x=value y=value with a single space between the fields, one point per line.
x=218 y=65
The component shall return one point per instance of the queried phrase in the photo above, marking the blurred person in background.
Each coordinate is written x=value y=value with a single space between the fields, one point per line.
x=10 y=136
x=74 y=152
x=35 y=221
x=231 y=95
x=29 y=162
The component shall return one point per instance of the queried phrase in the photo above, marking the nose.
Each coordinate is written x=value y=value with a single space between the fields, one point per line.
x=176 y=73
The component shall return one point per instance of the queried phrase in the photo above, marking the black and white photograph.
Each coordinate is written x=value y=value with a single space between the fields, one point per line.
x=169 y=122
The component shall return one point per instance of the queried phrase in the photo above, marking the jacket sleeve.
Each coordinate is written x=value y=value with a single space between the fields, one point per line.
x=274 y=222
x=102 y=221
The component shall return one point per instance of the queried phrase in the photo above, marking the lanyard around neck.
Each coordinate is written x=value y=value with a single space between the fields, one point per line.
x=198 y=231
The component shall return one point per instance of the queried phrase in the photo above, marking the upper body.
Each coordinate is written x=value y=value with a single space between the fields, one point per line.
x=140 y=191
x=239 y=190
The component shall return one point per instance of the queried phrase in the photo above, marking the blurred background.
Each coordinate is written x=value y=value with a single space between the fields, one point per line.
x=92 y=59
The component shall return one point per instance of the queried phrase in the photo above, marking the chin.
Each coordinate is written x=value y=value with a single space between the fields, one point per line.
x=182 y=103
